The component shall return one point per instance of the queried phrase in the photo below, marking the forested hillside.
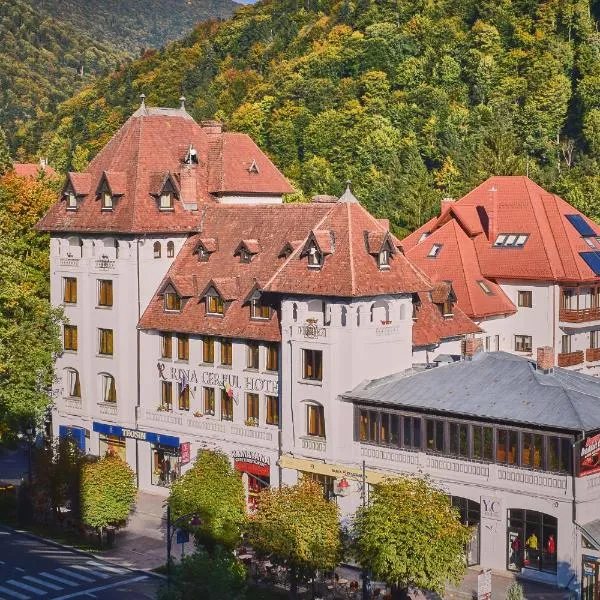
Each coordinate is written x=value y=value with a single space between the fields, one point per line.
x=411 y=100
x=43 y=62
x=134 y=24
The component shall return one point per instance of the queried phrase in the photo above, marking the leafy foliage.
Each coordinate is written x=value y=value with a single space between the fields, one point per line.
x=108 y=492
x=213 y=491
x=410 y=535
x=515 y=592
x=297 y=527
x=411 y=100
x=5 y=159
x=216 y=576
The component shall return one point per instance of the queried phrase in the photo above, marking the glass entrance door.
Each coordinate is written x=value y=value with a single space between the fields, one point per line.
x=590 y=580
x=514 y=549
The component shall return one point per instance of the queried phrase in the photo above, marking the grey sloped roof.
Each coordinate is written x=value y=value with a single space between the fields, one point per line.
x=496 y=386
x=591 y=531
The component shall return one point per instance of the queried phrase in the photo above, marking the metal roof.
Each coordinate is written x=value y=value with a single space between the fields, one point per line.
x=591 y=531
x=494 y=385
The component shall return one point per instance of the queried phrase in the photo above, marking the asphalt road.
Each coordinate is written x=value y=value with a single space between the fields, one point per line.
x=35 y=569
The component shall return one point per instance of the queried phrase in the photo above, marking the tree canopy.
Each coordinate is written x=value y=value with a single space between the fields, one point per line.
x=410 y=535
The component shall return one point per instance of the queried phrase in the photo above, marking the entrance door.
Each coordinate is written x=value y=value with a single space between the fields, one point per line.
x=470 y=513
x=514 y=549
x=590 y=580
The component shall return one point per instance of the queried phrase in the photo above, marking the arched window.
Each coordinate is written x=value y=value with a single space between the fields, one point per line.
x=73 y=386
x=170 y=249
x=315 y=420
x=372 y=311
x=402 y=312
x=344 y=313
x=108 y=388
x=295 y=312
x=358 y=317
x=157 y=250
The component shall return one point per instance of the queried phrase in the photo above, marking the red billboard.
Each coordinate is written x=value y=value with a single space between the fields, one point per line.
x=590 y=456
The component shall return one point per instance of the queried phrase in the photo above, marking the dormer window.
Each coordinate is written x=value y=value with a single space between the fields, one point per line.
x=71 y=200
x=214 y=304
x=107 y=201
x=172 y=302
x=203 y=254
x=245 y=256
x=166 y=201
x=448 y=308
x=435 y=250
x=384 y=259
x=315 y=258
x=259 y=310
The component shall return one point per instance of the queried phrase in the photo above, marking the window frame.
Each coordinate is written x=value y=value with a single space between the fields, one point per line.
x=157 y=249
x=70 y=290
x=71 y=200
x=226 y=406
x=209 y=400
x=170 y=205
x=70 y=334
x=383 y=259
x=272 y=362
x=183 y=396
x=170 y=249
x=226 y=352
x=252 y=356
x=105 y=293
x=208 y=350
x=166 y=345
x=314 y=257
x=166 y=396
x=319 y=430
x=214 y=301
x=183 y=347
x=312 y=370
x=107 y=200
x=435 y=250
x=73 y=383
x=272 y=410
x=525 y=298
x=523 y=338
x=109 y=394
x=106 y=342
x=177 y=302
x=485 y=288
x=252 y=409
x=259 y=311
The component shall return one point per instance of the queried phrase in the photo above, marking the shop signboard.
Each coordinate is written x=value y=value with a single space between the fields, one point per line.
x=590 y=456
x=184 y=452
x=484 y=585
x=251 y=462
x=144 y=436
x=491 y=508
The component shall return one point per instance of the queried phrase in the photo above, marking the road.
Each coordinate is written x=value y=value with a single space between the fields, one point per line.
x=32 y=569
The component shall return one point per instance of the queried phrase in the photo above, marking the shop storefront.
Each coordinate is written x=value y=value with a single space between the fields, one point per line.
x=256 y=472
x=470 y=514
x=166 y=464
x=112 y=444
x=532 y=541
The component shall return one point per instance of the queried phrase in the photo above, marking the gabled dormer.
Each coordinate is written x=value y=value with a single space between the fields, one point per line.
x=165 y=189
x=318 y=245
x=246 y=250
x=76 y=188
x=204 y=248
x=173 y=300
x=288 y=248
x=443 y=296
x=379 y=244
x=110 y=189
x=218 y=295
x=259 y=309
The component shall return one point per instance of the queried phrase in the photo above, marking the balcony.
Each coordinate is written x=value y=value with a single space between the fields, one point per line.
x=583 y=315
x=570 y=359
x=592 y=354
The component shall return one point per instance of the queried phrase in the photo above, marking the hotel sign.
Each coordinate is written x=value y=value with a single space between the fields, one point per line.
x=491 y=508
x=590 y=456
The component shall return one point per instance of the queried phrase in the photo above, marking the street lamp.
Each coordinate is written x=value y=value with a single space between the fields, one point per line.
x=190 y=519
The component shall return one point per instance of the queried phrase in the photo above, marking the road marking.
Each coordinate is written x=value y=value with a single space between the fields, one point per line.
x=4 y=532
x=59 y=579
x=91 y=571
x=28 y=588
x=52 y=586
x=75 y=575
x=13 y=594
x=104 y=587
x=19 y=569
x=106 y=567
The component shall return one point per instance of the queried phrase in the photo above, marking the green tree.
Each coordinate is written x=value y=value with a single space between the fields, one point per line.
x=5 y=159
x=515 y=592
x=410 y=535
x=214 y=492
x=108 y=492
x=298 y=528
x=216 y=576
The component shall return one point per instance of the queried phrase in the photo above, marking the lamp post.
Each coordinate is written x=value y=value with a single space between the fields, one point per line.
x=192 y=519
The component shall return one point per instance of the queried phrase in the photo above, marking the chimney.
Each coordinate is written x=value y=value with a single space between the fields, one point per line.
x=446 y=202
x=187 y=182
x=545 y=359
x=211 y=127
x=470 y=347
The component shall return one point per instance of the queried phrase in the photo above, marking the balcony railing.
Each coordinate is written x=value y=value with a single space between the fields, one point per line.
x=583 y=315
x=568 y=359
x=107 y=408
x=592 y=354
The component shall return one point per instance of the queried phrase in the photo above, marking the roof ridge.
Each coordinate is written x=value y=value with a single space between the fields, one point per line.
x=137 y=167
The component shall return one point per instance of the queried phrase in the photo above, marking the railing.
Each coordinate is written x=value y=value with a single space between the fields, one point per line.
x=592 y=354
x=73 y=403
x=69 y=262
x=572 y=315
x=105 y=264
x=310 y=444
x=568 y=359
x=107 y=408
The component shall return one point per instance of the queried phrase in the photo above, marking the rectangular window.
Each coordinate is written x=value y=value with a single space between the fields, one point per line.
x=105 y=341
x=172 y=301
x=166 y=345
x=367 y=425
x=531 y=450
x=166 y=395
x=315 y=420
x=252 y=360
x=252 y=408
x=226 y=406
x=105 y=292
x=459 y=439
x=313 y=364
x=70 y=337
x=272 y=357
x=109 y=390
x=70 y=290
x=214 y=305
x=259 y=310
x=209 y=400
x=107 y=201
x=226 y=352
x=435 y=435
x=411 y=432
x=166 y=465
x=326 y=481
x=565 y=344
x=272 y=410
x=506 y=446
x=183 y=346
x=183 y=392
x=389 y=429
x=208 y=350
x=525 y=298
x=523 y=343
x=483 y=443
x=73 y=384
x=594 y=339
x=497 y=343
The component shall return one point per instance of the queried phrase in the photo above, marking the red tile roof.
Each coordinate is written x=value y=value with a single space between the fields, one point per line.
x=157 y=141
x=33 y=170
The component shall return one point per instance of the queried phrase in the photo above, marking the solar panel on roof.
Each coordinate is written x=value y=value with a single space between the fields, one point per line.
x=593 y=260
x=581 y=225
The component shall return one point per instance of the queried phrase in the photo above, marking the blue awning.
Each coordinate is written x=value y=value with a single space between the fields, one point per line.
x=77 y=433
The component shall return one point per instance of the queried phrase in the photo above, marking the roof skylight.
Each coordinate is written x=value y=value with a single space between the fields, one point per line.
x=435 y=250
x=511 y=240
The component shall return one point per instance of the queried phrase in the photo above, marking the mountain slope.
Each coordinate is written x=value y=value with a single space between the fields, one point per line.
x=410 y=99
x=133 y=24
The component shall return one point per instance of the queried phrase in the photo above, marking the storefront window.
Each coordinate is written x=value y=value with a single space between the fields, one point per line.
x=470 y=515
x=165 y=465
x=326 y=481
x=532 y=541
x=113 y=445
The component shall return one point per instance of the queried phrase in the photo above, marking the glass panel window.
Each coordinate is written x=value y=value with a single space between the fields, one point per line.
x=565 y=344
x=435 y=435
x=109 y=390
x=459 y=439
x=315 y=420
x=272 y=357
x=166 y=395
x=252 y=355
x=226 y=406
x=594 y=339
x=107 y=201
x=166 y=201
x=315 y=258
x=208 y=350
x=183 y=393
x=259 y=310
x=313 y=364
x=166 y=465
x=537 y=547
x=326 y=481
x=525 y=298
x=214 y=305
x=506 y=446
x=411 y=432
x=209 y=400
x=252 y=409
x=71 y=201
x=523 y=343
x=157 y=250
x=166 y=345
x=183 y=346
x=70 y=337
x=170 y=249
x=272 y=410
x=105 y=292
x=384 y=258
x=172 y=301
x=226 y=352
x=105 y=342
x=70 y=290
x=113 y=445
x=483 y=443
x=73 y=384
